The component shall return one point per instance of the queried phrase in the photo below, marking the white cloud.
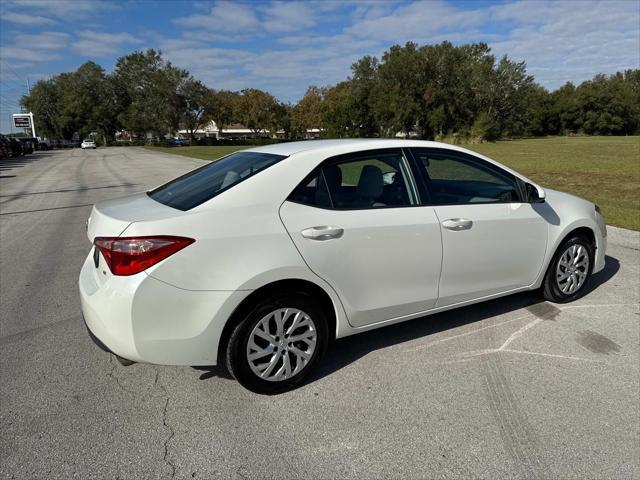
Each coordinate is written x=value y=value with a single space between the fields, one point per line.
x=64 y=10
x=50 y=44
x=288 y=16
x=224 y=16
x=102 y=44
x=571 y=41
x=416 y=22
x=29 y=20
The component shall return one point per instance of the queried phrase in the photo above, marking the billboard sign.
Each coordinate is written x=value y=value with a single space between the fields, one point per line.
x=22 y=121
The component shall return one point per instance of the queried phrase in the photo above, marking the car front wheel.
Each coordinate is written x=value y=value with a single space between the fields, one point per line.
x=277 y=344
x=569 y=270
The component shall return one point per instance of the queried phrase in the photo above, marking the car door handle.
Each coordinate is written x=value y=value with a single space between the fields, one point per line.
x=457 y=224
x=325 y=232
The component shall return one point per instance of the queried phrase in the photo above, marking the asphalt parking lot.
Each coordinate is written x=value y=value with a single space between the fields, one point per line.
x=512 y=388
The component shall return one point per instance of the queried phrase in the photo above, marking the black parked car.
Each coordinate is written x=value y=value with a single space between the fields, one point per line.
x=16 y=147
x=5 y=147
x=28 y=145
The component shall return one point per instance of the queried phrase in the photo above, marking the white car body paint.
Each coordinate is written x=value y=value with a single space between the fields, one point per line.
x=391 y=264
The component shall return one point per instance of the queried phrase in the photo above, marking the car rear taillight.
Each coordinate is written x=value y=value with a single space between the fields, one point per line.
x=131 y=255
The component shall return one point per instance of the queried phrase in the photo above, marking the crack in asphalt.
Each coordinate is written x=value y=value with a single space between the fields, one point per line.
x=165 y=424
x=164 y=394
x=114 y=377
x=169 y=438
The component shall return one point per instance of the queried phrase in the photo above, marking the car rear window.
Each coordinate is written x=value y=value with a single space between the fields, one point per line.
x=204 y=183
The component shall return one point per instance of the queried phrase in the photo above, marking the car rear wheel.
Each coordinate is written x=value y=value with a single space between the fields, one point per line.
x=277 y=344
x=569 y=270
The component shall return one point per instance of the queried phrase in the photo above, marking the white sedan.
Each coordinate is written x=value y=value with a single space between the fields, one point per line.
x=88 y=143
x=258 y=260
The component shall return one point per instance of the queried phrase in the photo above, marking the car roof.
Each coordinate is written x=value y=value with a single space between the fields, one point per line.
x=343 y=146
x=290 y=148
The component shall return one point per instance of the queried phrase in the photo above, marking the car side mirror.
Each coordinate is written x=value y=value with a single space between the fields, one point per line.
x=535 y=194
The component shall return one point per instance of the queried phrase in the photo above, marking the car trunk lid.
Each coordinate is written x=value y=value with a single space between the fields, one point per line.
x=112 y=217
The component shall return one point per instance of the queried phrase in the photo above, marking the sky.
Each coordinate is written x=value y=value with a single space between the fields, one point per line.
x=285 y=46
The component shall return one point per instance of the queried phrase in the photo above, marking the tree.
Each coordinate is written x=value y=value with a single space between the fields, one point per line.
x=92 y=101
x=254 y=109
x=105 y=113
x=148 y=89
x=341 y=114
x=308 y=112
x=431 y=91
x=398 y=93
x=280 y=119
x=79 y=102
x=221 y=107
x=364 y=75
x=536 y=115
x=193 y=98
x=44 y=103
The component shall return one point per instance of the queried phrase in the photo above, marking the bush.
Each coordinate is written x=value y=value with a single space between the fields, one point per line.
x=485 y=128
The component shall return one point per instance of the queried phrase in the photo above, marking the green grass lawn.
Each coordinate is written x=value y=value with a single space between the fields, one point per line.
x=206 y=153
x=605 y=170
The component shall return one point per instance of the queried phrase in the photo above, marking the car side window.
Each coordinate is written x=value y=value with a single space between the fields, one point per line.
x=364 y=181
x=455 y=178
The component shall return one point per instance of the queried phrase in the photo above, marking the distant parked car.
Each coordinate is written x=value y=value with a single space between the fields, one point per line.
x=28 y=146
x=259 y=259
x=16 y=147
x=88 y=143
x=35 y=143
x=5 y=147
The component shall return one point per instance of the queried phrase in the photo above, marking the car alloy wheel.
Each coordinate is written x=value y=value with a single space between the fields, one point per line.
x=281 y=344
x=572 y=269
x=569 y=271
x=278 y=342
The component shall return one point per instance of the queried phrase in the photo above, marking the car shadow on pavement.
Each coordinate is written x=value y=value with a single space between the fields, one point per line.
x=345 y=351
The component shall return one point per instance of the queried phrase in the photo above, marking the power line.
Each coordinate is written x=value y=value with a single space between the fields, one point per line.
x=10 y=106
x=11 y=82
x=9 y=99
x=11 y=70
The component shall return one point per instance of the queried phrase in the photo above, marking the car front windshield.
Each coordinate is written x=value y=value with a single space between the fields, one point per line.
x=204 y=183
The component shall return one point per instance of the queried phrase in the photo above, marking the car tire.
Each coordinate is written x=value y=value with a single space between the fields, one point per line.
x=569 y=270
x=262 y=343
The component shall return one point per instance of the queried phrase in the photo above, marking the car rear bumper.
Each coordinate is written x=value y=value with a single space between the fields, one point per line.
x=142 y=319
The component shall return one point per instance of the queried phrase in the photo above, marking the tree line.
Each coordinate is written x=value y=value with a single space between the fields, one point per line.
x=430 y=92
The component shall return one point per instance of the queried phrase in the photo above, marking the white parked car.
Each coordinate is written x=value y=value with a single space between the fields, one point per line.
x=88 y=143
x=260 y=259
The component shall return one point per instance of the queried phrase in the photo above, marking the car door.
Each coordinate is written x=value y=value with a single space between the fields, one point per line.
x=358 y=224
x=492 y=240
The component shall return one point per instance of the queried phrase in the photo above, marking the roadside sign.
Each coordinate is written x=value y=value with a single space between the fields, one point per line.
x=22 y=121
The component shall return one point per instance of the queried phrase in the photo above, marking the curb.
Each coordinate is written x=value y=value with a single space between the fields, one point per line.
x=623 y=237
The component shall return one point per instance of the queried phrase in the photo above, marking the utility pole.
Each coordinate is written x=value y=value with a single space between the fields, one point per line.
x=33 y=126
